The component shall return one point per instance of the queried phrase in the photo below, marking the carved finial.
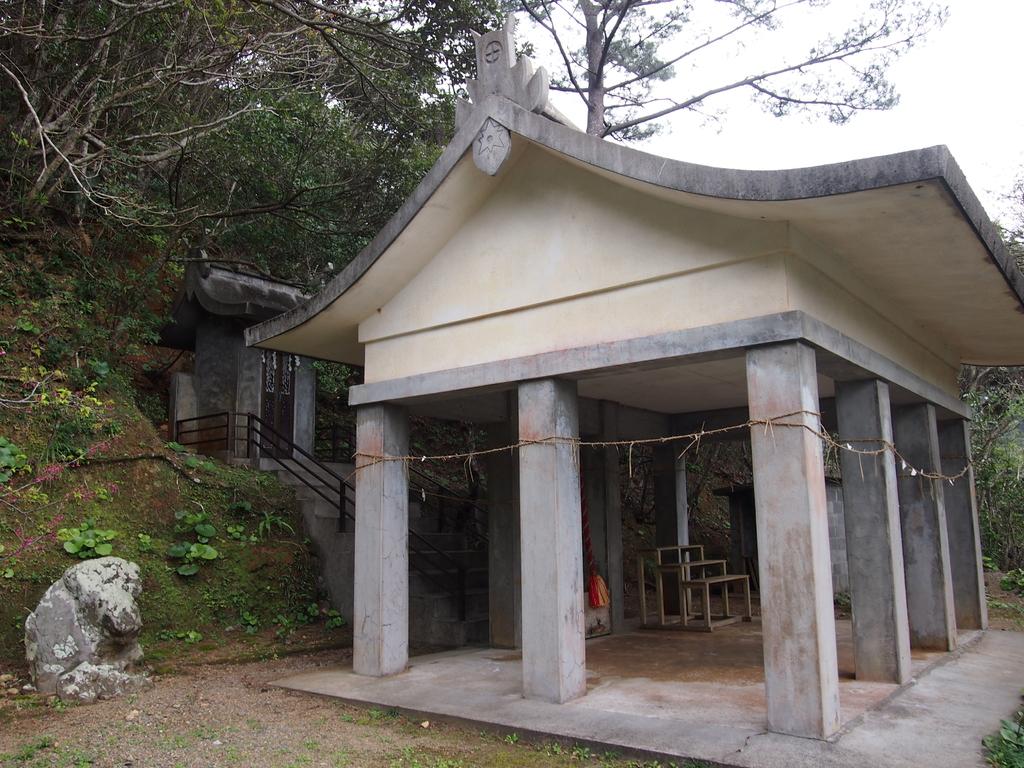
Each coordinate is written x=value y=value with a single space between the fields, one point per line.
x=499 y=73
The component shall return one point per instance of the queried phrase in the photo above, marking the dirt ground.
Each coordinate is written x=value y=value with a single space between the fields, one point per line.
x=1005 y=609
x=228 y=714
x=208 y=708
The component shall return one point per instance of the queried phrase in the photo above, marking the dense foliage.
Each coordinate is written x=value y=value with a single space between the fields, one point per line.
x=281 y=133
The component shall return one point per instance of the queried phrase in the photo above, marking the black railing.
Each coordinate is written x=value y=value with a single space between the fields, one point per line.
x=455 y=510
x=266 y=442
x=213 y=429
x=261 y=440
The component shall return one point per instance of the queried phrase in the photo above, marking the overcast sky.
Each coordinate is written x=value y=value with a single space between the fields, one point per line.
x=962 y=87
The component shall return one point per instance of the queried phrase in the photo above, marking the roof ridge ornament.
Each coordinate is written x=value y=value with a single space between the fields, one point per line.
x=498 y=72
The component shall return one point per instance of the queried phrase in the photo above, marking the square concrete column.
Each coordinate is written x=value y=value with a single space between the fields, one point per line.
x=380 y=620
x=613 y=514
x=881 y=638
x=800 y=668
x=671 y=511
x=962 y=526
x=923 y=523
x=554 y=666
x=504 y=604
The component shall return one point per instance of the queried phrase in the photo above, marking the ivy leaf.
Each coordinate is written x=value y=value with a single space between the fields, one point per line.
x=104 y=549
x=205 y=530
x=188 y=569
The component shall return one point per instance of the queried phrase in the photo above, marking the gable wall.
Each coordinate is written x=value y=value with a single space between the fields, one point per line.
x=594 y=263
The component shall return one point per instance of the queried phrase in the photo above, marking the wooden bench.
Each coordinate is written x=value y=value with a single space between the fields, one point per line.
x=705 y=621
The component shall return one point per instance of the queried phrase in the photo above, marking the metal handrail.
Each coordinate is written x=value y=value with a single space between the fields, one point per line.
x=420 y=477
x=430 y=551
x=226 y=426
x=259 y=435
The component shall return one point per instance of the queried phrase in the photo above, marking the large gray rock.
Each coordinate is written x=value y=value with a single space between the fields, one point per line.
x=81 y=641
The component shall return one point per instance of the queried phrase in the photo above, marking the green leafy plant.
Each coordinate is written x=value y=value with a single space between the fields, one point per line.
x=309 y=614
x=87 y=540
x=193 y=555
x=176 y=447
x=250 y=622
x=285 y=626
x=240 y=507
x=190 y=636
x=271 y=520
x=25 y=325
x=237 y=532
x=12 y=459
x=1013 y=581
x=145 y=542
x=1005 y=748
x=334 y=620
x=195 y=462
x=195 y=522
x=6 y=571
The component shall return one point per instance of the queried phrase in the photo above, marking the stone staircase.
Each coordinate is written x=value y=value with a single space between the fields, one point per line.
x=433 y=609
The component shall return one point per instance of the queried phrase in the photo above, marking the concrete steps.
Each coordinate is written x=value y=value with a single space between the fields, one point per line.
x=433 y=610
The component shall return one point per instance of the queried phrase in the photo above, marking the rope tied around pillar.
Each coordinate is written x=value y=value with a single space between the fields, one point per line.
x=692 y=439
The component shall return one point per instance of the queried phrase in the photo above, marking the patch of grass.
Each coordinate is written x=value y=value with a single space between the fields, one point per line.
x=30 y=750
x=262 y=580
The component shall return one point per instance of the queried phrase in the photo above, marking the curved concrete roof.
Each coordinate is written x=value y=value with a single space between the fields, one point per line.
x=919 y=201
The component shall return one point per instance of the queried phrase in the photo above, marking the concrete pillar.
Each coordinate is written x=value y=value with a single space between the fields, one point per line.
x=682 y=502
x=923 y=523
x=613 y=514
x=962 y=526
x=182 y=402
x=503 y=555
x=800 y=667
x=304 y=416
x=380 y=620
x=554 y=666
x=671 y=518
x=592 y=467
x=881 y=637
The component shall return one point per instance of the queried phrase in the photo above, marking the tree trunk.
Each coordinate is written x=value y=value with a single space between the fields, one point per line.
x=595 y=69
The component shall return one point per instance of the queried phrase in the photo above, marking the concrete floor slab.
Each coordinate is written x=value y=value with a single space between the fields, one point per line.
x=687 y=695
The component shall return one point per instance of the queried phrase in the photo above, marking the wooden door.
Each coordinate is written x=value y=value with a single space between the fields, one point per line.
x=278 y=406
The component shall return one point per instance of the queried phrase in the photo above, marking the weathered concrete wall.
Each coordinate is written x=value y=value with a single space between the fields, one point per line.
x=541 y=288
x=182 y=401
x=820 y=284
x=250 y=380
x=567 y=284
x=219 y=344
